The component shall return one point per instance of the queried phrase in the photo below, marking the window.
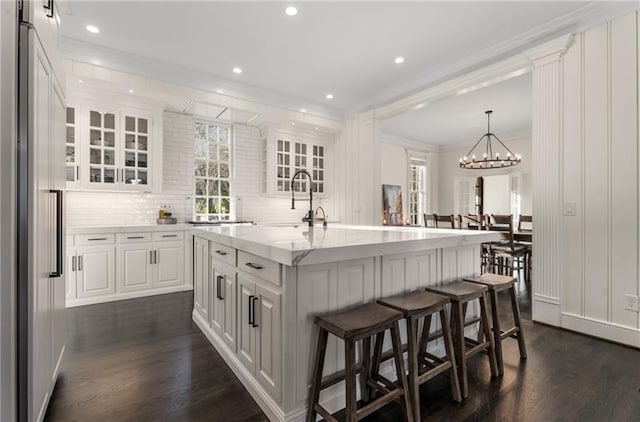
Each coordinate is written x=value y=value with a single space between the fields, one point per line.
x=417 y=190
x=213 y=188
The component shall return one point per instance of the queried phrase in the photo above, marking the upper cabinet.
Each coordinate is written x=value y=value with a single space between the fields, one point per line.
x=113 y=148
x=284 y=153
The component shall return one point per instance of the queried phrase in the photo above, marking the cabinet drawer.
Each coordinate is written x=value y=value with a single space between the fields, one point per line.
x=258 y=266
x=134 y=237
x=223 y=253
x=95 y=239
x=161 y=236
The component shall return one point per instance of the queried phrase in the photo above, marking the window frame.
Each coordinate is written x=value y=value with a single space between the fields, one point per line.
x=209 y=216
x=418 y=161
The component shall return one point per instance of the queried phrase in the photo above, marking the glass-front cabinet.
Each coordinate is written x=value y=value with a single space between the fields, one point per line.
x=286 y=152
x=109 y=148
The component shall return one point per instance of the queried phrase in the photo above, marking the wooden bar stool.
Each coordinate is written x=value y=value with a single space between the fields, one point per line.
x=497 y=283
x=461 y=293
x=360 y=323
x=418 y=305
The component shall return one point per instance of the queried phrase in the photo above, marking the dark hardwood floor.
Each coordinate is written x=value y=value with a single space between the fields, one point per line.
x=145 y=360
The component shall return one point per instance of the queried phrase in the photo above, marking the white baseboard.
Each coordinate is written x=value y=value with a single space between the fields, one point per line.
x=546 y=310
x=602 y=329
x=129 y=295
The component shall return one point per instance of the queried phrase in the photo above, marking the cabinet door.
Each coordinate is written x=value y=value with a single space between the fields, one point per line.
x=136 y=151
x=134 y=267
x=229 y=319
x=72 y=147
x=99 y=169
x=169 y=263
x=246 y=332
x=70 y=271
x=269 y=340
x=217 y=297
x=96 y=270
x=200 y=275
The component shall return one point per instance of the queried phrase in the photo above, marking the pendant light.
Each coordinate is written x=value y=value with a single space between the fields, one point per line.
x=492 y=156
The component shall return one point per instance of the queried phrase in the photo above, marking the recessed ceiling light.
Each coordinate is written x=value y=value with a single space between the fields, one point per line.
x=220 y=90
x=291 y=11
x=79 y=81
x=303 y=110
x=131 y=91
x=293 y=123
x=93 y=29
x=329 y=96
x=399 y=60
x=316 y=128
x=237 y=70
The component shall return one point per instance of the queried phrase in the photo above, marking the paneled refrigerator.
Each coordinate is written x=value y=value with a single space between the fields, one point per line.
x=40 y=214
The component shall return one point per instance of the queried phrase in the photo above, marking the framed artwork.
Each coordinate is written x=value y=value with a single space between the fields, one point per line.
x=392 y=205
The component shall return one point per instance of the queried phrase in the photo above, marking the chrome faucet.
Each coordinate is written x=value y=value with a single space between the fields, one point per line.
x=309 y=217
x=324 y=216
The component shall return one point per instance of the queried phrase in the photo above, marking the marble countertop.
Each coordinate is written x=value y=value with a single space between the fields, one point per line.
x=300 y=245
x=127 y=228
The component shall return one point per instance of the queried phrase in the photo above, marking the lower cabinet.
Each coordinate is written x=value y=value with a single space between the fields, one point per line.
x=101 y=268
x=259 y=331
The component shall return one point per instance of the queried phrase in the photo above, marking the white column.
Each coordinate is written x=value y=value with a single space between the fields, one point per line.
x=547 y=186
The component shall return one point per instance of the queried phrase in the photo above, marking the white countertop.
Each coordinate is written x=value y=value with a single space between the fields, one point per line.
x=299 y=245
x=127 y=228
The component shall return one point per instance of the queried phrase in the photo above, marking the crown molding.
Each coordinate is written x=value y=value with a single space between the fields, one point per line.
x=590 y=15
x=84 y=52
x=413 y=144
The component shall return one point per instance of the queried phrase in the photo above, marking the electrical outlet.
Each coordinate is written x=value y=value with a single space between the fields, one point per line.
x=632 y=303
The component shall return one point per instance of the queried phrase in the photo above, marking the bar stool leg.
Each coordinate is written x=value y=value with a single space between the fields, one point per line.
x=516 y=318
x=448 y=347
x=485 y=320
x=402 y=380
x=366 y=369
x=316 y=378
x=458 y=333
x=497 y=333
x=414 y=392
x=375 y=364
x=350 y=380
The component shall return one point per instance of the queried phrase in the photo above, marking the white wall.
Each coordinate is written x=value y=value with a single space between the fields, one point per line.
x=122 y=208
x=449 y=171
x=600 y=170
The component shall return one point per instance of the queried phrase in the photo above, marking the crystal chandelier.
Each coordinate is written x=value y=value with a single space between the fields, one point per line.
x=489 y=158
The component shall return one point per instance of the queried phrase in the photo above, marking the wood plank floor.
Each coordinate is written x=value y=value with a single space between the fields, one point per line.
x=145 y=360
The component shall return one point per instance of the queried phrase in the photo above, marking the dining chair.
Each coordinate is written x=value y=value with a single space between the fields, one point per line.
x=445 y=221
x=508 y=255
x=429 y=221
x=528 y=223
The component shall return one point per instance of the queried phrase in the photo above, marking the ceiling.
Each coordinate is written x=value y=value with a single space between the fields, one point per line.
x=343 y=48
x=461 y=120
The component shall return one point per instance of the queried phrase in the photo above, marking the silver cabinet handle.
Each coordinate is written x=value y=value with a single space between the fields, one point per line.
x=73 y=263
x=169 y=235
x=155 y=256
x=254 y=266
x=135 y=237
x=80 y=263
x=150 y=257
x=254 y=299
x=97 y=238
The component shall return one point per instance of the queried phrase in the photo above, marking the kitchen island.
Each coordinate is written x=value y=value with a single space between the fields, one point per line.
x=258 y=288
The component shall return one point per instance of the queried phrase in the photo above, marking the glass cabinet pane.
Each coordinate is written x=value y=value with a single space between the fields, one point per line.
x=142 y=125
x=130 y=124
x=110 y=157
x=71 y=174
x=142 y=143
x=130 y=177
x=95 y=137
x=95 y=156
x=71 y=134
x=109 y=121
x=109 y=175
x=142 y=160
x=142 y=177
x=95 y=175
x=109 y=139
x=71 y=115
x=95 y=119
x=71 y=154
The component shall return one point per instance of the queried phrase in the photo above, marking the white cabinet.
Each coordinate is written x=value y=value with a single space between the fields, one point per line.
x=112 y=147
x=259 y=331
x=201 y=277
x=135 y=267
x=112 y=266
x=285 y=152
x=223 y=302
x=95 y=274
